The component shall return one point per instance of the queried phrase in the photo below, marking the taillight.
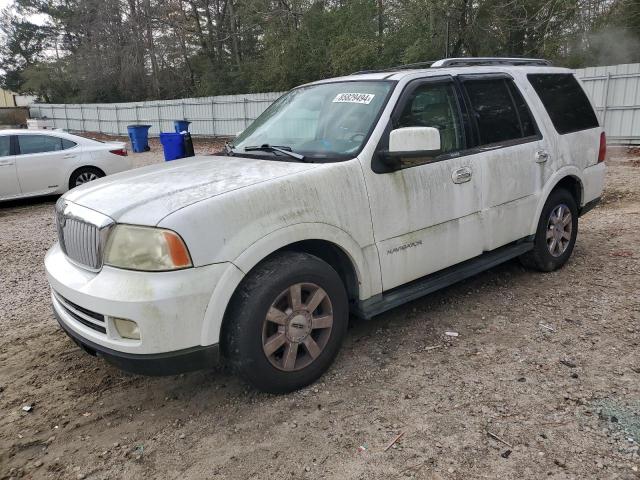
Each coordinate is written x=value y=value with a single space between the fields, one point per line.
x=602 y=153
x=120 y=151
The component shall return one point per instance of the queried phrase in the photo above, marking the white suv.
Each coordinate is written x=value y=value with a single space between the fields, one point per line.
x=354 y=194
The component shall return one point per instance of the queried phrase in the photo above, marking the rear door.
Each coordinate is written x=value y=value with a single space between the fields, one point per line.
x=9 y=186
x=511 y=153
x=572 y=116
x=43 y=161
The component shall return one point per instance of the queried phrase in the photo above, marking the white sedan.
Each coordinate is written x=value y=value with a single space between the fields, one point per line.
x=48 y=162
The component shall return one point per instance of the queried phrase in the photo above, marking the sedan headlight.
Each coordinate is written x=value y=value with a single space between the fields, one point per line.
x=146 y=248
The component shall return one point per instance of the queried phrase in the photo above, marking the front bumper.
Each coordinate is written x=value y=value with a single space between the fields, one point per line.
x=170 y=363
x=169 y=308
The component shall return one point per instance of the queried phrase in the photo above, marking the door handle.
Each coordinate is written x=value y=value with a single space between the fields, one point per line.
x=542 y=156
x=6 y=162
x=69 y=155
x=461 y=175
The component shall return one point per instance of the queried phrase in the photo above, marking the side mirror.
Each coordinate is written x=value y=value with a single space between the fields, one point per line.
x=412 y=142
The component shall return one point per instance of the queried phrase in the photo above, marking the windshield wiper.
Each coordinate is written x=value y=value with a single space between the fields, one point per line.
x=275 y=148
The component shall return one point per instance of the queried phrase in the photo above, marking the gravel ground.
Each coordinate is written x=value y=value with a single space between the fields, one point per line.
x=542 y=381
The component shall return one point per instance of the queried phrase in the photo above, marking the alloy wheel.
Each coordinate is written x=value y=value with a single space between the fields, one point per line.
x=85 y=177
x=559 y=230
x=297 y=326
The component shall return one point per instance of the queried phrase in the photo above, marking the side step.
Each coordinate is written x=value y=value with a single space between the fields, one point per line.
x=435 y=281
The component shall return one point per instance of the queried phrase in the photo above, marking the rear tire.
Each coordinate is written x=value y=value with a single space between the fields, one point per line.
x=84 y=175
x=556 y=234
x=286 y=322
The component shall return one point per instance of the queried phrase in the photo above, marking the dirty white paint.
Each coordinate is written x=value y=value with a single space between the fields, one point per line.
x=395 y=227
x=169 y=307
x=413 y=139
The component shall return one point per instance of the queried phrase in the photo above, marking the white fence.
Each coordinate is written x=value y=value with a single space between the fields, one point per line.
x=616 y=92
x=614 y=89
x=224 y=115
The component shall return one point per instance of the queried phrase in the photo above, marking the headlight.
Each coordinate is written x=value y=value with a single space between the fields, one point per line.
x=146 y=248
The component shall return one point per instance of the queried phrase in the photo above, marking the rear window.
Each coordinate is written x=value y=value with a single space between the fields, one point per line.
x=42 y=144
x=38 y=144
x=565 y=101
x=500 y=111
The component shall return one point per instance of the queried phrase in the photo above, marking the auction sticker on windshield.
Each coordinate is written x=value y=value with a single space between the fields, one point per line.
x=364 y=98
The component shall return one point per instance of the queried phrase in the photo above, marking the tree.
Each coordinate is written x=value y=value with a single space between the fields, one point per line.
x=118 y=50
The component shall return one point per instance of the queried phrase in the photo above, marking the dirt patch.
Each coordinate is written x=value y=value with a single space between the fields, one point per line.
x=529 y=388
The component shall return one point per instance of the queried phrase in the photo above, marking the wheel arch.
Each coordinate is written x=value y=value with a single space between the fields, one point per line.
x=327 y=242
x=569 y=178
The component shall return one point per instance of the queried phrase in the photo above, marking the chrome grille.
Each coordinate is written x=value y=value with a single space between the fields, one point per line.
x=82 y=233
x=80 y=242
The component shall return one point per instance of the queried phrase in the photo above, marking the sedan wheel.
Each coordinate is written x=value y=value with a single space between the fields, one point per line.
x=86 y=177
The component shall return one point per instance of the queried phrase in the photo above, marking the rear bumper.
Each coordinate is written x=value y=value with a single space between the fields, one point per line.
x=593 y=183
x=156 y=364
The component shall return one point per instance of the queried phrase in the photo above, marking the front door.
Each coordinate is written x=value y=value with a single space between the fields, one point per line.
x=9 y=186
x=426 y=215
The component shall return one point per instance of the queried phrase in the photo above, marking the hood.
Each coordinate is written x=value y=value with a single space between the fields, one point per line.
x=146 y=195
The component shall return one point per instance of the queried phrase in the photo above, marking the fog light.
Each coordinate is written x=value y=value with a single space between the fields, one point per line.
x=127 y=328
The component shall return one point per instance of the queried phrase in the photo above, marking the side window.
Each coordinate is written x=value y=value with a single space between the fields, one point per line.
x=38 y=144
x=565 y=101
x=66 y=144
x=499 y=110
x=5 y=146
x=435 y=105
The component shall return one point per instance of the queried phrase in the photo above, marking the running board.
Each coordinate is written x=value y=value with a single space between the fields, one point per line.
x=405 y=293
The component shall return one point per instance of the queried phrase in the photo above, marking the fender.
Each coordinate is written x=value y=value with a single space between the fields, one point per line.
x=365 y=262
x=568 y=171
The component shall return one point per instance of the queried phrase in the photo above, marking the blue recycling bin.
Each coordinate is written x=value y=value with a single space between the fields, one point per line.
x=172 y=146
x=181 y=126
x=139 y=136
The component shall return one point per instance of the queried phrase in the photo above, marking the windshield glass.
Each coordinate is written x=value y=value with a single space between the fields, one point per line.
x=325 y=121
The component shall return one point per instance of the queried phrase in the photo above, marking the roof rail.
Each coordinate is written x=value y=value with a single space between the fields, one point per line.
x=398 y=67
x=468 y=61
x=462 y=62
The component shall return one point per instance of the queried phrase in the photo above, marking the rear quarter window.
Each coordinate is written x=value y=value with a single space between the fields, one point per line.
x=565 y=101
x=67 y=144
x=5 y=145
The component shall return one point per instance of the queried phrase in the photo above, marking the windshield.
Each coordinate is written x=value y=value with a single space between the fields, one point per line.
x=325 y=122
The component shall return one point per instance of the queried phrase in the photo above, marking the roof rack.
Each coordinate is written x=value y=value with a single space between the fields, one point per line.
x=398 y=67
x=463 y=62
x=468 y=61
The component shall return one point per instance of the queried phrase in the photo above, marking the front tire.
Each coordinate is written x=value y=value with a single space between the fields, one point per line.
x=286 y=322
x=556 y=234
